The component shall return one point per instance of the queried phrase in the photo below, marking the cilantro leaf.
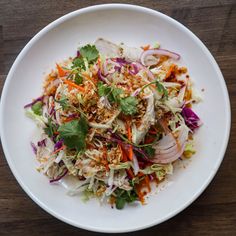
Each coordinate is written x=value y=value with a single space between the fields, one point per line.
x=78 y=62
x=150 y=151
x=129 y=105
x=89 y=52
x=115 y=95
x=161 y=89
x=37 y=108
x=74 y=133
x=51 y=128
x=103 y=89
x=78 y=79
x=63 y=102
x=123 y=197
x=120 y=203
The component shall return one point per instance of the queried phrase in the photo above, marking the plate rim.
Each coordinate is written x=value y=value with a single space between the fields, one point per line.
x=110 y=7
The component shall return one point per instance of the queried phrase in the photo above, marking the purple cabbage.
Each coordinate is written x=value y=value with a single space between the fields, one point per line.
x=191 y=119
x=121 y=61
x=59 y=177
x=34 y=148
x=32 y=103
x=42 y=143
x=58 y=145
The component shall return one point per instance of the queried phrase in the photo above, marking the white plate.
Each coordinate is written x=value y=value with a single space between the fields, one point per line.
x=135 y=26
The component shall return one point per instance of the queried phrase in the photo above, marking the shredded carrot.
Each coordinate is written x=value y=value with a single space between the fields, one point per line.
x=147 y=182
x=124 y=159
x=71 y=84
x=146 y=47
x=56 y=132
x=86 y=75
x=140 y=194
x=129 y=134
x=58 y=150
x=68 y=119
x=170 y=71
x=130 y=173
x=140 y=174
x=61 y=71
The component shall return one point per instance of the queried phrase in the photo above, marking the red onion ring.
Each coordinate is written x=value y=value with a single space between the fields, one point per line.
x=160 y=52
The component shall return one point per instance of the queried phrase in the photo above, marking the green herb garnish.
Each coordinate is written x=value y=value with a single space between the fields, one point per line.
x=37 y=108
x=89 y=52
x=128 y=105
x=63 y=101
x=123 y=197
x=150 y=151
x=51 y=128
x=78 y=79
x=74 y=133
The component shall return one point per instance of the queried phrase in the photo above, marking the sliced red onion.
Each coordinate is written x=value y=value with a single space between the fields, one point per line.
x=169 y=149
x=149 y=73
x=34 y=148
x=42 y=143
x=32 y=103
x=102 y=78
x=135 y=69
x=59 y=177
x=121 y=61
x=136 y=92
x=160 y=52
x=78 y=53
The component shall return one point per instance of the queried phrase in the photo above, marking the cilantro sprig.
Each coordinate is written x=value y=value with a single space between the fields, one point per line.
x=74 y=134
x=50 y=128
x=37 y=108
x=88 y=53
x=123 y=197
x=128 y=105
x=160 y=88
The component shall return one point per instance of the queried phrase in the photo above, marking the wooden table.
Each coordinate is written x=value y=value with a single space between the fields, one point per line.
x=214 y=22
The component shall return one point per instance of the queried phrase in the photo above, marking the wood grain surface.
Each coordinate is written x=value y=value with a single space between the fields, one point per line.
x=214 y=22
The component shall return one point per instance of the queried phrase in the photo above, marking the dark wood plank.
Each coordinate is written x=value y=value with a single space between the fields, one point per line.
x=214 y=22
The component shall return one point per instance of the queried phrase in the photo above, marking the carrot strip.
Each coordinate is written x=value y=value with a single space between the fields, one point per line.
x=146 y=47
x=68 y=119
x=58 y=150
x=61 y=71
x=130 y=173
x=140 y=195
x=147 y=182
x=71 y=84
x=124 y=159
x=170 y=71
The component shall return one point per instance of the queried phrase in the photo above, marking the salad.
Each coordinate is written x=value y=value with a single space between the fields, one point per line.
x=116 y=119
